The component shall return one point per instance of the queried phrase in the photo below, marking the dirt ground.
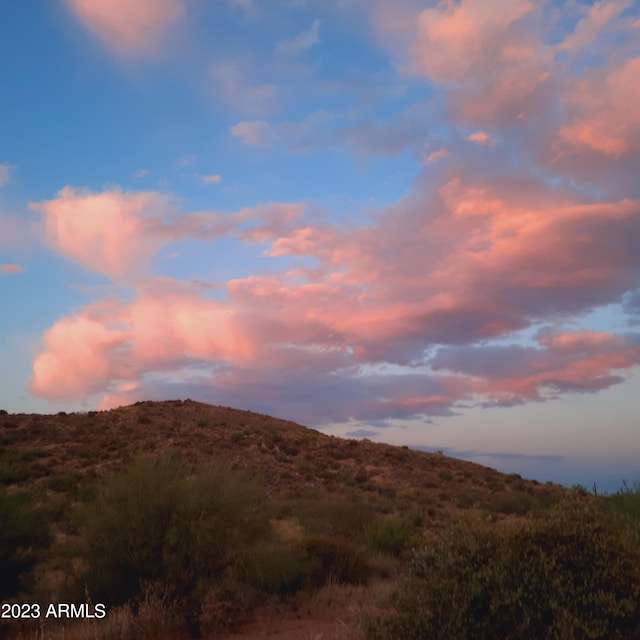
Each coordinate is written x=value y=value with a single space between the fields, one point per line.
x=333 y=613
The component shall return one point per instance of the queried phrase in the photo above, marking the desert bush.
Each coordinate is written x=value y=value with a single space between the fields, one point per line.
x=390 y=535
x=574 y=574
x=334 y=560
x=512 y=503
x=274 y=568
x=464 y=501
x=323 y=516
x=157 y=522
x=24 y=532
x=520 y=503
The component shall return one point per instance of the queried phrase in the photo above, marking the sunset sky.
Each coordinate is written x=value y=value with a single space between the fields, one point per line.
x=409 y=220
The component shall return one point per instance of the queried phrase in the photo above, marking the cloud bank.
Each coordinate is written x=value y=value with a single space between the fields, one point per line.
x=523 y=223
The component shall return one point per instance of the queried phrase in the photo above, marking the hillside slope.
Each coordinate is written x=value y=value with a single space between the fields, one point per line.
x=291 y=459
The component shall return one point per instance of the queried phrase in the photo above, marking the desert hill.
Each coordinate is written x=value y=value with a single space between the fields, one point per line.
x=66 y=449
x=312 y=535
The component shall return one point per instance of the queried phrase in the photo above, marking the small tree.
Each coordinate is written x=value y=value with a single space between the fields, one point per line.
x=157 y=522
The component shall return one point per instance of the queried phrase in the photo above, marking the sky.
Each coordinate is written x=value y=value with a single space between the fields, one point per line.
x=412 y=221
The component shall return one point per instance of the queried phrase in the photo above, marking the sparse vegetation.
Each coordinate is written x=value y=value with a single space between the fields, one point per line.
x=333 y=559
x=170 y=524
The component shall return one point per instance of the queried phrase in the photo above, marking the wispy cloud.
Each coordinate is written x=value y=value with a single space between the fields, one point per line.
x=481 y=137
x=187 y=160
x=440 y=154
x=10 y=269
x=304 y=40
x=212 y=179
x=232 y=87
x=5 y=173
x=256 y=132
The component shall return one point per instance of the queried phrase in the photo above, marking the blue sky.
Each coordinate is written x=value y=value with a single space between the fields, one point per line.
x=414 y=221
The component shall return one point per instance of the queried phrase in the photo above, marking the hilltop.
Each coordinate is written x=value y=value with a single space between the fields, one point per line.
x=291 y=459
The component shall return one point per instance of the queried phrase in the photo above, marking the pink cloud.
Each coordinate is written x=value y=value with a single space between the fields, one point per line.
x=580 y=361
x=212 y=179
x=486 y=53
x=471 y=261
x=481 y=264
x=481 y=137
x=116 y=233
x=80 y=355
x=580 y=341
x=107 y=232
x=128 y=27
x=440 y=154
x=111 y=343
x=10 y=269
x=605 y=119
x=254 y=133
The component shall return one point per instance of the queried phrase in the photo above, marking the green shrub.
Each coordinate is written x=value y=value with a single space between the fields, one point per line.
x=575 y=574
x=334 y=560
x=322 y=516
x=24 y=532
x=274 y=568
x=157 y=522
x=390 y=535
x=512 y=503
